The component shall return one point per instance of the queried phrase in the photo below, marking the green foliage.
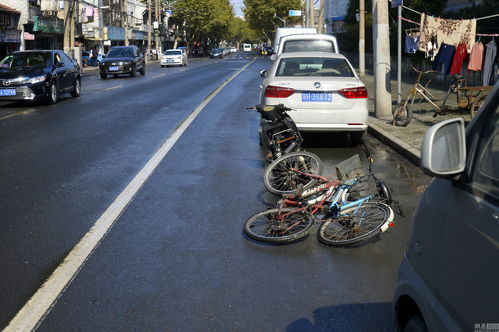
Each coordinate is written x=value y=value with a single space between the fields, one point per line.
x=240 y=32
x=204 y=21
x=260 y=15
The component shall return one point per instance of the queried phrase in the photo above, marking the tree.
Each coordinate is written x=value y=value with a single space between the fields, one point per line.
x=260 y=15
x=204 y=21
x=240 y=32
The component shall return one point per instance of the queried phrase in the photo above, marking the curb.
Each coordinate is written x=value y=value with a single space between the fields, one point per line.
x=410 y=153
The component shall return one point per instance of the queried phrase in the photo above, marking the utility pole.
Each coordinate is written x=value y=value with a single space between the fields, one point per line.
x=67 y=27
x=383 y=97
x=158 y=40
x=320 y=24
x=126 y=23
x=362 y=39
x=149 y=30
x=312 y=14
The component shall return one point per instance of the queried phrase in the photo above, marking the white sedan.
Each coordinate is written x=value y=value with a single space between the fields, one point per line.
x=324 y=90
x=174 y=57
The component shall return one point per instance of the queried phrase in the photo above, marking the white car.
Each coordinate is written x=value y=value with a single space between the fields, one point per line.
x=306 y=42
x=174 y=57
x=324 y=90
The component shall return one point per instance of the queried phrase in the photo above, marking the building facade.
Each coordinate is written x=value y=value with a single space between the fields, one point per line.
x=335 y=12
x=99 y=24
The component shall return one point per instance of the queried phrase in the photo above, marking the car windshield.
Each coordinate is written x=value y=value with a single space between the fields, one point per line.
x=120 y=52
x=309 y=66
x=173 y=53
x=216 y=50
x=308 y=46
x=29 y=59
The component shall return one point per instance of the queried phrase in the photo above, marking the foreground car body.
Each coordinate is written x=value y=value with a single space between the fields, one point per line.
x=447 y=279
x=31 y=75
x=324 y=90
x=123 y=60
x=174 y=57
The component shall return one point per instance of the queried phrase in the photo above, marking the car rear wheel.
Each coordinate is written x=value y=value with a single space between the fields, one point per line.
x=77 y=89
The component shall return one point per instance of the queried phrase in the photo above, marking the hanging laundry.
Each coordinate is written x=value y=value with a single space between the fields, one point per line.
x=83 y=16
x=411 y=44
x=490 y=56
x=450 y=32
x=459 y=56
x=444 y=57
x=476 y=57
x=48 y=5
x=89 y=11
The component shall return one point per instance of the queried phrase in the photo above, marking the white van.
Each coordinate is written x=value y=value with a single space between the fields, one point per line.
x=247 y=47
x=281 y=32
x=448 y=278
x=309 y=42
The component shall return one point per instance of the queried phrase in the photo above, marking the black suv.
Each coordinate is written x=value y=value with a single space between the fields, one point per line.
x=31 y=75
x=123 y=60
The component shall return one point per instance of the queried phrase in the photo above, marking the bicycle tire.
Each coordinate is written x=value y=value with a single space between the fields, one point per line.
x=279 y=179
x=384 y=193
x=264 y=226
x=347 y=230
x=402 y=115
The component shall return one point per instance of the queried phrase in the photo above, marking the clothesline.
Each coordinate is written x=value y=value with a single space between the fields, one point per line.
x=477 y=19
x=478 y=34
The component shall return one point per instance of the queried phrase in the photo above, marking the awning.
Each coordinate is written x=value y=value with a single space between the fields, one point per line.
x=4 y=8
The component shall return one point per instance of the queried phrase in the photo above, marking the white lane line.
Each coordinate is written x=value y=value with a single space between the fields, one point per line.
x=159 y=75
x=38 y=307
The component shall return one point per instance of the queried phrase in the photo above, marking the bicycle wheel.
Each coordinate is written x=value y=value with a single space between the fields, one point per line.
x=402 y=115
x=356 y=224
x=277 y=226
x=280 y=179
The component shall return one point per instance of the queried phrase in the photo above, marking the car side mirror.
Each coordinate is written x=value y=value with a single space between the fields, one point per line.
x=273 y=57
x=443 y=151
x=263 y=73
x=103 y=56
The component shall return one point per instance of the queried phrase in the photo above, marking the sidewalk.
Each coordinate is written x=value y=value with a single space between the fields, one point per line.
x=407 y=140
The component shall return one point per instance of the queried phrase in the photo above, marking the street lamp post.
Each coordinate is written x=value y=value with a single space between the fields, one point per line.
x=283 y=20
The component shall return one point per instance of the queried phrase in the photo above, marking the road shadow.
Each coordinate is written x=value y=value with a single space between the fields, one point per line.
x=366 y=317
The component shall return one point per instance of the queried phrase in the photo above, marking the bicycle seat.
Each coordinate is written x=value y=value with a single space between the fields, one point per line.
x=268 y=112
x=457 y=77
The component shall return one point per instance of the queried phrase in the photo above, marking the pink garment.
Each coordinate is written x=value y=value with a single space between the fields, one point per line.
x=89 y=11
x=476 y=57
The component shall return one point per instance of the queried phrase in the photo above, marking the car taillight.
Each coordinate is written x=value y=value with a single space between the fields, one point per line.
x=354 y=93
x=278 y=92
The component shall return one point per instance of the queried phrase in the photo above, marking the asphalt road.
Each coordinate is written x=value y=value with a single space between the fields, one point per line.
x=177 y=259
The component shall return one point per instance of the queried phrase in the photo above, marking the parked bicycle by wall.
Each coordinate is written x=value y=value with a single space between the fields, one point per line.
x=468 y=98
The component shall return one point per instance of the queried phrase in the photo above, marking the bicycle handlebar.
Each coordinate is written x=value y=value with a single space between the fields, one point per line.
x=423 y=72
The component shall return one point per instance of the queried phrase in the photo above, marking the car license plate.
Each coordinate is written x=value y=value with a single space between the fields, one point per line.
x=169 y=60
x=114 y=68
x=317 y=96
x=7 y=92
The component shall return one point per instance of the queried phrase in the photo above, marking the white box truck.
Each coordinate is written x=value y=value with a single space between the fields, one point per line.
x=281 y=32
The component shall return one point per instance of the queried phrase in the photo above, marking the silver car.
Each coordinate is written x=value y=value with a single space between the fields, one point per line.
x=448 y=277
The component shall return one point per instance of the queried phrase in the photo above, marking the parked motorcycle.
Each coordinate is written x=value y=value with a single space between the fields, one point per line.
x=278 y=132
